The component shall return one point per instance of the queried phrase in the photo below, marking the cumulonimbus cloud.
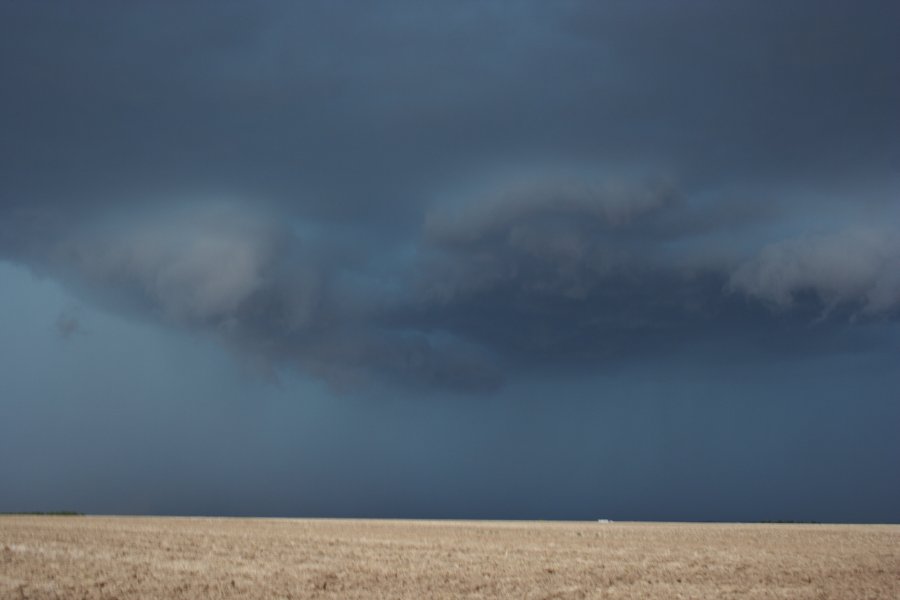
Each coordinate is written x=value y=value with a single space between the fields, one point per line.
x=559 y=103
x=552 y=271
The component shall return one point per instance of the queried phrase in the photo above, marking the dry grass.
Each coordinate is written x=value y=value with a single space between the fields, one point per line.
x=124 y=557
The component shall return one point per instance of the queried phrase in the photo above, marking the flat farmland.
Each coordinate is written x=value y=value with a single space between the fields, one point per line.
x=159 y=557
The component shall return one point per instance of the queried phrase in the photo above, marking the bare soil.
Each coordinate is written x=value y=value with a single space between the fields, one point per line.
x=140 y=557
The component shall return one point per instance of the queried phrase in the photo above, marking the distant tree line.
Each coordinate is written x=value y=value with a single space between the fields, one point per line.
x=54 y=513
x=794 y=522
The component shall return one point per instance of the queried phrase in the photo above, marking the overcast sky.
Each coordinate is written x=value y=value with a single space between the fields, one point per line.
x=630 y=260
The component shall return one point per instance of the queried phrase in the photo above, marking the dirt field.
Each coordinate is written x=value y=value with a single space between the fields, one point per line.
x=125 y=557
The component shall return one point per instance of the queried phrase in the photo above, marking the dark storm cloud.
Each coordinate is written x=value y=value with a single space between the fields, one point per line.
x=754 y=91
x=360 y=110
x=237 y=274
x=572 y=271
x=564 y=235
x=433 y=194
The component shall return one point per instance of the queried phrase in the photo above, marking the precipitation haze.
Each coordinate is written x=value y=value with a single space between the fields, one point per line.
x=630 y=260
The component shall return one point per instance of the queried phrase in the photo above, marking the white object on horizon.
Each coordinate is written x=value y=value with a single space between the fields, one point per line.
x=604 y=521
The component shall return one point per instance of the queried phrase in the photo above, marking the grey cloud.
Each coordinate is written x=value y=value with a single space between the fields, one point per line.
x=575 y=271
x=859 y=268
x=232 y=272
x=561 y=236
x=201 y=266
x=567 y=269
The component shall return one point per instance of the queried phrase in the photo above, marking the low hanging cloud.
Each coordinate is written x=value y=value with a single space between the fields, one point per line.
x=558 y=237
x=239 y=275
x=547 y=271
x=857 y=268
x=564 y=271
x=196 y=266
